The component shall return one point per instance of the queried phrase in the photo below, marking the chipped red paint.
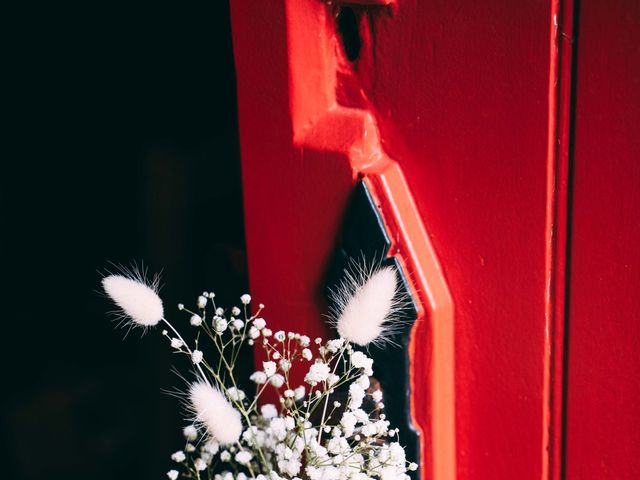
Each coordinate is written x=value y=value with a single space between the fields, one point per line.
x=459 y=116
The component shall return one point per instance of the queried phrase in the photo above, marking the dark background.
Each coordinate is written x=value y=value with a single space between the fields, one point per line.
x=122 y=145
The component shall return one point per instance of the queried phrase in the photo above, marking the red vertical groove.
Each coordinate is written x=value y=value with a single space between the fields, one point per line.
x=557 y=223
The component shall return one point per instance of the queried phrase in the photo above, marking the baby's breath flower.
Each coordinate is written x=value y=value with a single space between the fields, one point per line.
x=238 y=324
x=279 y=336
x=277 y=380
x=211 y=446
x=254 y=332
x=225 y=456
x=318 y=372
x=334 y=345
x=360 y=360
x=276 y=355
x=235 y=311
x=190 y=432
x=195 y=320
x=306 y=354
x=377 y=396
x=235 y=394
x=176 y=343
x=268 y=411
x=220 y=311
x=245 y=299
x=363 y=381
x=196 y=356
x=267 y=332
x=178 y=456
x=202 y=301
x=299 y=392
x=258 y=377
x=259 y=323
x=243 y=457
x=285 y=365
x=200 y=464
x=220 y=325
x=189 y=447
x=269 y=368
x=172 y=474
x=304 y=341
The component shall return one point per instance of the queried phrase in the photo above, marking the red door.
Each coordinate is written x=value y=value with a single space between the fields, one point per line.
x=497 y=140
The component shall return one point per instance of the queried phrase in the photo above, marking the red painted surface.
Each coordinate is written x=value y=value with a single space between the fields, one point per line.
x=458 y=114
x=603 y=392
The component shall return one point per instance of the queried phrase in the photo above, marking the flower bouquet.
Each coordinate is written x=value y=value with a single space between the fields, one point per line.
x=330 y=427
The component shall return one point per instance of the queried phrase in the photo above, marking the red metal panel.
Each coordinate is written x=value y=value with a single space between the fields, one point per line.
x=463 y=97
x=460 y=90
x=603 y=413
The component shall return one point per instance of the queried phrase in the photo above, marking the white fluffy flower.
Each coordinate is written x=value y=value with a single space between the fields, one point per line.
x=243 y=457
x=190 y=433
x=268 y=411
x=137 y=300
x=258 y=377
x=285 y=365
x=254 y=332
x=366 y=302
x=290 y=467
x=202 y=301
x=211 y=447
x=220 y=324
x=222 y=421
x=348 y=423
x=360 y=360
x=176 y=343
x=363 y=381
x=318 y=372
x=306 y=354
x=199 y=464
x=299 y=392
x=195 y=320
x=266 y=332
x=332 y=379
x=269 y=368
x=377 y=396
x=235 y=311
x=277 y=380
x=280 y=336
x=334 y=345
x=225 y=456
x=245 y=299
x=238 y=324
x=278 y=428
x=196 y=356
x=356 y=395
x=172 y=474
x=235 y=394
x=178 y=456
x=259 y=323
x=369 y=430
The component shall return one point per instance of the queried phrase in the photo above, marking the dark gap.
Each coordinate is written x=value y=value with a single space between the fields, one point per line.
x=347 y=22
x=570 y=186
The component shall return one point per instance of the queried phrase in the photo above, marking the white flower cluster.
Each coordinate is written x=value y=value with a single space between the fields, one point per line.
x=327 y=423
